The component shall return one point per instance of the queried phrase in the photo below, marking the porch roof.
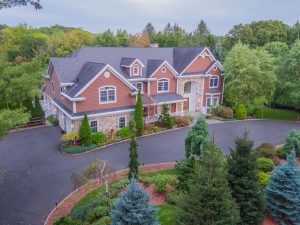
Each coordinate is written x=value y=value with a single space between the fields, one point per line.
x=167 y=98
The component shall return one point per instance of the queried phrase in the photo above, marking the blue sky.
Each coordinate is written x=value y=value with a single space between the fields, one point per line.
x=99 y=15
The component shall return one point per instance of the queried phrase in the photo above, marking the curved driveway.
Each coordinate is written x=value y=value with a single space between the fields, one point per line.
x=37 y=175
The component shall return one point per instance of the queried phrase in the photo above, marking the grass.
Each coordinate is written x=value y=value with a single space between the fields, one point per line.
x=167 y=214
x=163 y=172
x=280 y=114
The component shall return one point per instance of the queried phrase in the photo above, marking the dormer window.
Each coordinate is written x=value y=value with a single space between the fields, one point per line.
x=136 y=70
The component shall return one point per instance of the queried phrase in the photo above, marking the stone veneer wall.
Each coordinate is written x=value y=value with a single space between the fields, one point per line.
x=199 y=94
x=107 y=122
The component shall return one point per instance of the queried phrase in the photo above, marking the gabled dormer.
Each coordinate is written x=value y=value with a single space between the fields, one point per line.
x=133 y=66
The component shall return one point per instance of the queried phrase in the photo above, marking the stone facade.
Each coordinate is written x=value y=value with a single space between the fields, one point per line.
x=107 y=122
x=199 y=89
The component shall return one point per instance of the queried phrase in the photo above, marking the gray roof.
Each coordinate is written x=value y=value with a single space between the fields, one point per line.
x=152 y=65
x=69 y=67
x=87 y=72
x=164 y=98
x=127 y=61
x=110 y=110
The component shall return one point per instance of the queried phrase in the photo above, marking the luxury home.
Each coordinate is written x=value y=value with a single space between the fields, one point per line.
x=104 y=82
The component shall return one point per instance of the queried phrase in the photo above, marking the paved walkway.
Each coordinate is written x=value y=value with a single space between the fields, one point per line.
x=37 y=175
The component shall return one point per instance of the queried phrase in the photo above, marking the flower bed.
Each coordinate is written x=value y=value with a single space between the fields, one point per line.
x=76 y=149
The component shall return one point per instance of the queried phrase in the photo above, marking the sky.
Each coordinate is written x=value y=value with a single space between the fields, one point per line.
x=132 y=15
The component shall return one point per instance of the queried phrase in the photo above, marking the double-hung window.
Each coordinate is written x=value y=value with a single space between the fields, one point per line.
x=213 y=82
x=107 y=94
x=122 y=121
x=94 y=126
x=136 y=70
x=163 y=85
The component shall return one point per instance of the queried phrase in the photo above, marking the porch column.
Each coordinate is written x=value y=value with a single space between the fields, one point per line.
x=182 y=108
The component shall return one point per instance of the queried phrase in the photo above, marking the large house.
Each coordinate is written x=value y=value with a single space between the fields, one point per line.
x=104 y=82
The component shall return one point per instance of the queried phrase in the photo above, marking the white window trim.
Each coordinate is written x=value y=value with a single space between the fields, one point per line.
x=211 y=97
x=207 y=101
x=163 y=69
x=163 y=91
x=138 y=70
x=212 y=77
x=97 y=124
x=142 y=89
x=119 y=121
x=52 y=86
x=108 y=102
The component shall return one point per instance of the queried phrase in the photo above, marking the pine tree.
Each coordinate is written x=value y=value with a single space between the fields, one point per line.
x=209 y=200
x=202 y=29
x=133 y=163
x=133 y=207
x=283 y=192
x=149 y=29
x=38 y=110
x=196 y=138
x=29 y=107
x=244 y=181
x=292 y=142
x=168 y=29
x=138 y=115
x=85 y=132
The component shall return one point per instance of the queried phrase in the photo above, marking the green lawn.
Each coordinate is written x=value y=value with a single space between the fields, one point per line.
x=163 y=172
x=167 y=214
x=280 y=114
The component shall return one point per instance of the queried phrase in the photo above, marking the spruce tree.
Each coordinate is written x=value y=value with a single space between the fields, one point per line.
x=209 y=200
x=38 y=110
x=196 y=138
x=133 y=156
x=292 y=142
x=133 y=208
x=283 y=192
x=85 y=132
x=138 y=115
x=244 y=181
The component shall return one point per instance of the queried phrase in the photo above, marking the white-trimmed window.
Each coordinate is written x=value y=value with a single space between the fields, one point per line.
x=213 y=82
x=122 y=121
x=163 y=85
x=107 y=94
x=187 y=87
x=215 y=100
x=208 y=102
x=139 y=86
x=94 y=126
x=136 y=70
x=52 y=86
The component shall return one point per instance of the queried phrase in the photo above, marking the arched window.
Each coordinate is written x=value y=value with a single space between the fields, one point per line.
x=163 y=85
x=214 y=82
x=107 y=94
x=136 y=70
x=187 y=87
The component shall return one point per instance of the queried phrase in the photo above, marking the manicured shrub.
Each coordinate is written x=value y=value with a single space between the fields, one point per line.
x=266 y=150
x=283 y=192
x=85 y=132
x=124 y=133
x=173 y=197
x=160 y=185
x=282 y=153
x=165 y=119
x=82 y=212
x=224 y=112
x=133 y=207
x=38 y=110
x=66 y=221
x=152 y=129
x=70 y=138
x=241 y=112
x=76 y=149
x=139 y=116
x=181 y=121
x=263 y=178
x=292 y=142
x=52 y=120
x=147 y=180
x=99 y=138
x=171 y=180
x=265 y=165
x=259 y=112
x=97 y=213
x=106 y=220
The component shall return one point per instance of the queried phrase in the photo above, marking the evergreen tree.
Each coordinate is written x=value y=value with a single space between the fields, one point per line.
x=149 y=29
x=138 y=115
x=283 y=192
x=133 y=163
x=29 y=107
x=292 y=142
x=85 y=132
x=38 y=110
x=184 y=172
x=133 y=208
x=168 y=29
x=209 y=200
x=244 y=181
x=196 y=138
x=202 y=29
x=165 y=118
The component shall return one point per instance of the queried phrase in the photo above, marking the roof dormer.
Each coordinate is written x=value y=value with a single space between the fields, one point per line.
x=133 y=66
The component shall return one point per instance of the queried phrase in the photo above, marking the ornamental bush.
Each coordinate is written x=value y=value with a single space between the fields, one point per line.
x=99 y=138
x=266 y=150
x=161 y=186
x=181 y=121
x=221 y=111
x=259 y=112
x=241 y=112
x=265 y=165
x=66 y=221
x=292 y=142
x=173 y=197
x=53 y=120
x=85 y=132
x=165 y=119
x=97 y=213
x=106 y=220
x=282 y=153
x=70 y=138
x=124 y=133
x=263 y=178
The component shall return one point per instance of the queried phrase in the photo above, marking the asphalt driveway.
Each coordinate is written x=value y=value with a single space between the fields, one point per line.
x=37 y=175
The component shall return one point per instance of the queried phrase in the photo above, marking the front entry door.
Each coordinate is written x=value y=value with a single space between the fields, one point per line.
x=192 y=100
